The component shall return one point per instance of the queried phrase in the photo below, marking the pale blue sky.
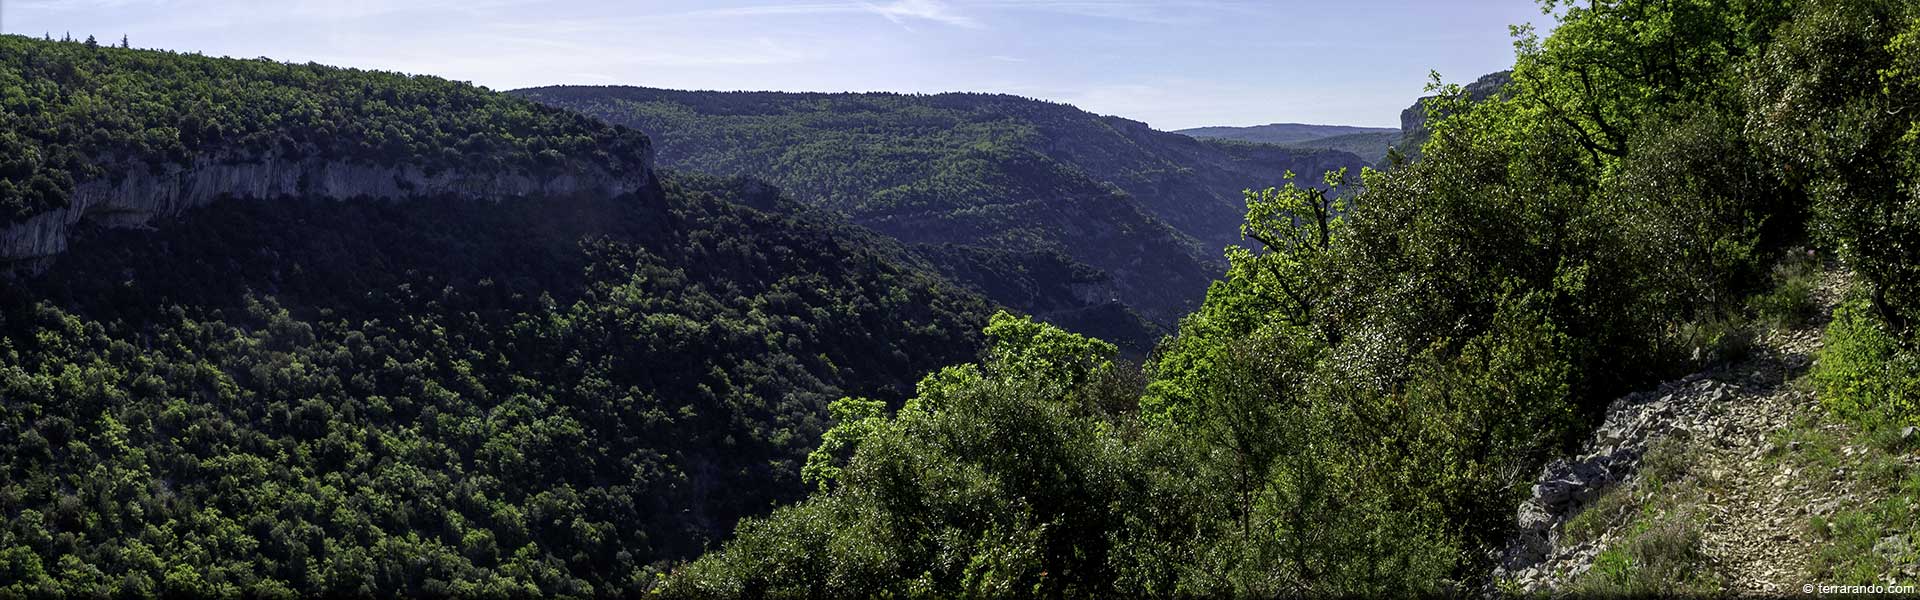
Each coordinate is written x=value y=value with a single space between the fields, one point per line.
x=1171 y=63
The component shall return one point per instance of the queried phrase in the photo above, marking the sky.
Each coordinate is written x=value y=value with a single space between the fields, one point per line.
x=1171 y=63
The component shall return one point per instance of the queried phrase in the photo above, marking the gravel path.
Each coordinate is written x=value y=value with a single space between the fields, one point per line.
x=1753 y=511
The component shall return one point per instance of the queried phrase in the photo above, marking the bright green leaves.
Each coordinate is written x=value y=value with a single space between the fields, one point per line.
x=1834 y=102
x=1864 y=373
x=854 y=419
x=1299 y=228
x=1290 y=284
x=1611 y=61
x=1018 y=347
x=1020 y=351
x=993 y=482
x=1354 y=406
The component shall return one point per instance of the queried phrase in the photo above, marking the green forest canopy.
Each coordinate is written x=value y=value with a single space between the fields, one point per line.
x=435 y=396
x=993 y=172
x=72 y=112
x=1358 y=405
x=1354 y=410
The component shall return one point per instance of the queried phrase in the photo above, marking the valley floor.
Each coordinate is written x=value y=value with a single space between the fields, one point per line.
x=1733 y=480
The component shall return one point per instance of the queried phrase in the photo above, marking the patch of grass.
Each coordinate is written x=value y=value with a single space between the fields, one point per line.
x=1660 y=556
x=1894 y=439
x=1667 y=460
x=1868 y=379
x=1790 y=302
x=1665 y=464
x=1726 y=339
x=1611 y=508
x=1878 y=537
x=1807 y=445
x=1659 y=551
x=1868 y=545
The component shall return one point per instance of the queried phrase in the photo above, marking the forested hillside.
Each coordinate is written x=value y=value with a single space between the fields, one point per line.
x=1369 y=143
x=291 y=330
x=423 y=394
x=1362 y=402
x=1279 y=133
x=113 y=135
x=1000 y=174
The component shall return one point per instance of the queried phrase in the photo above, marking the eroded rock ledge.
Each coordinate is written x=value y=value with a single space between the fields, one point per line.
x=140 y=195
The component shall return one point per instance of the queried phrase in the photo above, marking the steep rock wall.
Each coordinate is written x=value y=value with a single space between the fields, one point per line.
x=140 y=195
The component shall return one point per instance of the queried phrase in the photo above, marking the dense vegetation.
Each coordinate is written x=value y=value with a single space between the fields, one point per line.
x=546 y=396
x=541 y=397
x=537 y=396
x=1356 y=408
x=1838 y=102
x=1000 y=174
x=74 y=112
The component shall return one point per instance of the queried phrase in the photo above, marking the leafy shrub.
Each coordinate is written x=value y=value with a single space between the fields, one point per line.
x=1660 y=557
x=1725 y=339
x=1864 y=373
x=1790 y=303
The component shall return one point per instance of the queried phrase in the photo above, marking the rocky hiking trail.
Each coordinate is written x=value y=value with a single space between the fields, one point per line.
x=1718 y=427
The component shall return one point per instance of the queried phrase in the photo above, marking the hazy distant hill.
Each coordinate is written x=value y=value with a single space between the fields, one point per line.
x=1281 y=133
x=1369 y=143
x=1003 y=175
x=1371 y=146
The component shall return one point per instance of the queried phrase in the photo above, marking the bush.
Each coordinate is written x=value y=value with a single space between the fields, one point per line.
x=1865 y=374
x=1660 y=558
x=1790 y=302
x=1725 y=339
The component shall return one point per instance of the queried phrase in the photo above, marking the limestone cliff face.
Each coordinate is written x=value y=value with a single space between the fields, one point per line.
x=139 y=195
x=1413 y=120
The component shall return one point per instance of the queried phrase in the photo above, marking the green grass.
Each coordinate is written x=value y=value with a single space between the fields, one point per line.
x=1659 y=552
x=1862 y=544
x=1665 y=463
x=1868 y=379
x=1790 y=302
x=1611 y=508
x=1660 y=555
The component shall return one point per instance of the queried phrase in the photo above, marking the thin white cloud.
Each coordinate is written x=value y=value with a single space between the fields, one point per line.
x=901 y=11
x=69 y=5
x=218 y=15
x=1158 y=12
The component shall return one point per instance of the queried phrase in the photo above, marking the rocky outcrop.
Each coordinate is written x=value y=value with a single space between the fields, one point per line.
x=1413 y=120
x=139 y=195
x=1719 y=426
x=1612 y=458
